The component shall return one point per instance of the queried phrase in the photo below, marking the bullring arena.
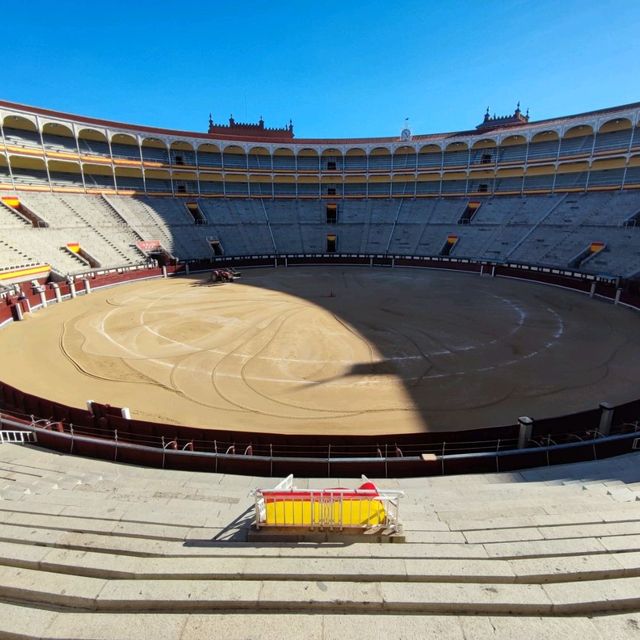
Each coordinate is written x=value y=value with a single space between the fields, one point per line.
x=331 y=350
x=415 y=413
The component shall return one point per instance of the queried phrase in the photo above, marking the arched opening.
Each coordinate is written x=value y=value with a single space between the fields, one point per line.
x=355 y=186
x=454 y=183
x=379 y=159
x=260 y=185
x=427 y=184
x=379 y=186
x=331 y=185
x=234 y=157
x=484 y=151
x=283 y=160
x=480 y=182
x=308 y=186
x=5 y=174
x=129 y=179
x=509 y=180
x=456 y=154
x=308 y=160
x=430 y=156
x=20 y=131
x=209 y=155
x=92 y=142
x=577 y=141
x=405 y=158
x=97 y=176
x=403 y=186
x=65 y=174
x=185 y=182
x=543 y=146
x=259 y=158
x=182 y=154
x=614 y=135
x=539 y=179
x=58 y=137
x=606 y=173
x=236 y=184
x=635 y=141
x=512 y=149
x=29 y=171
x=158 y=181
x=632 y=175
x=331 y=160
x=284 y=186
x=571 y=176
x=210 y=183
x=154 y=151
x=125 y=147
x=355 y=160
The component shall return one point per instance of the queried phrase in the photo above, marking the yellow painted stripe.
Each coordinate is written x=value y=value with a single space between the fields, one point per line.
x=27 y=152
x=135 y=163
x=98 y=159
x=70 y=155
x=5 y=275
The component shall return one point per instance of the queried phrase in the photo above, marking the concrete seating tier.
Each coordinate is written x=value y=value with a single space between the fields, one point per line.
x=90 y=549
x=549 y=230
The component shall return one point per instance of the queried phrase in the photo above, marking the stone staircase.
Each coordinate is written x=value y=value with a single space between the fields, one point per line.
x=12 y=256
x=90 y=549
x=118 y=255
x=9 y=217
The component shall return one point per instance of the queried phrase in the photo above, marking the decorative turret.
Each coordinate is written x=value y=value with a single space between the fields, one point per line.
x=257 y=130
x=494 y=122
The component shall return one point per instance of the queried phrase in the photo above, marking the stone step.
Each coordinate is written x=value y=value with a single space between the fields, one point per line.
x=624 y=513
x=208 y=547
x=234 y=505
x=19 y=621
x=185 y=596
x=75 y=492
x=525 y=509
x=114 y=543
x=149 y=531
x=189 y=516
x=327 y=568
x=139 y=528
x=155 y=531
x=554 y=533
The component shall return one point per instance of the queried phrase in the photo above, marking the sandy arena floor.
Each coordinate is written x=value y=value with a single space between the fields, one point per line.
x=330 y=350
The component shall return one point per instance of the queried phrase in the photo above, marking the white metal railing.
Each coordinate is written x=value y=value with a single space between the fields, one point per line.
x=365 y=509
x=17 y=437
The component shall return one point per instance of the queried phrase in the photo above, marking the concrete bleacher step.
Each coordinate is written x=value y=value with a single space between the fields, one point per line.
x=183 y=596
x=24 y=622
x=243 y=565
x=198 y=542
x=176 y=532
x=626 y=513
x=87 y=545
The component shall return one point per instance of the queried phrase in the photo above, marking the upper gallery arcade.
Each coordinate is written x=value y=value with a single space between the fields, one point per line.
x=44 y=149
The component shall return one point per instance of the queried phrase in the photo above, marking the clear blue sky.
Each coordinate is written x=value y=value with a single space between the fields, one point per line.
x=336 y=68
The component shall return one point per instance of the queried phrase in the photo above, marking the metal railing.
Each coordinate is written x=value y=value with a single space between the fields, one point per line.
x=17 y=437
x=67 y=439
